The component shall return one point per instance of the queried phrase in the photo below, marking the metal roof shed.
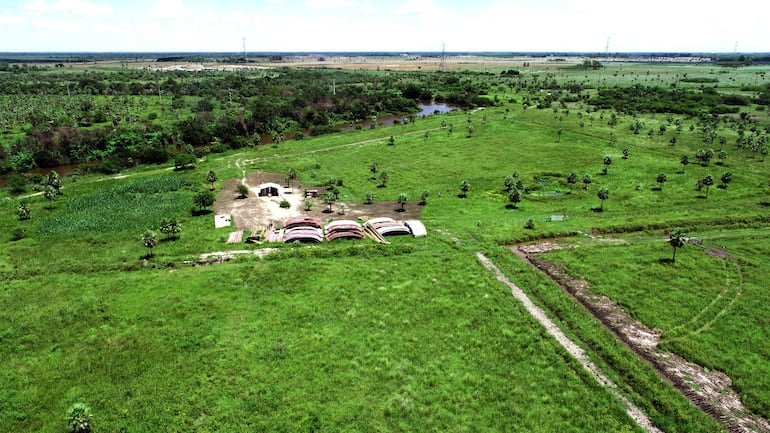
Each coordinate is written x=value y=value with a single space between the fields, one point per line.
x=416 y=227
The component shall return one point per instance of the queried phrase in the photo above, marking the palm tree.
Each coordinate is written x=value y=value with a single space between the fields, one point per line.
x=424 y=197
x=722 y=155
x=726 y=178
x=708 y=180
x=329 y=198
x=53 y=179
x=211 y=178
x=291 y=175
x=369 y=197
x=402 y=200
x=50 y=193
x=587 y=179
x=607 y=162
x=514 y=197
x=374 y=168
x=383 y=179
x=677 y=240
x=464 y=187
x=603 y=193
x=149 y=240
x=684 y=160
x=661 y=179
x=510 y=181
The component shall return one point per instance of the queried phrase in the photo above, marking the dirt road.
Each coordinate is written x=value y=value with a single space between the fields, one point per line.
x=573 y=349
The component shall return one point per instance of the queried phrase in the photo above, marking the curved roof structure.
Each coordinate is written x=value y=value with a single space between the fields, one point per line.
x=344 y=229
x=301 y=222
x=416 y=227
x=303 y=234
x=388 y=226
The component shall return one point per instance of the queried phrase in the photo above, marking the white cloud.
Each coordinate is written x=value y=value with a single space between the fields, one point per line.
x=328 y=4
x=368 y=8
x=12 y=19
x=416 y=7
x=71 y=7
x=170 y=10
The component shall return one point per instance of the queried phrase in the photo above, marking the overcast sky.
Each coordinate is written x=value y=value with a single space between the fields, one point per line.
x=375 y=25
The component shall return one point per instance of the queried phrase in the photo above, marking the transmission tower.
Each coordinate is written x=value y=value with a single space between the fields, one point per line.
x=607 y=49
x=245 y=59
x=442 y=64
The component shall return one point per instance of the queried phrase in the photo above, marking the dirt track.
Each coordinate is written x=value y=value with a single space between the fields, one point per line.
x=634 y=412
x=710 y=390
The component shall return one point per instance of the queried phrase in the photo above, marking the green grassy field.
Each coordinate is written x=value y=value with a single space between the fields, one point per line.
x=413 y=336
x=714 y=290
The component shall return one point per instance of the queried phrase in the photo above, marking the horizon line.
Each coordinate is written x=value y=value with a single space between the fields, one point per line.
x=398 y=52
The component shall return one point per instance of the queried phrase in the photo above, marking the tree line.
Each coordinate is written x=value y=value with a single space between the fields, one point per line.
x=137 y=116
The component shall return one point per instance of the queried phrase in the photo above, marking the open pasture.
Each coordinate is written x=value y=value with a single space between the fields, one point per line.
x=415 y=335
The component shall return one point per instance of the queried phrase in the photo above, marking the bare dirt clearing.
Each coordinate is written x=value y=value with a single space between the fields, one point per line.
x=254 y=212
x=710 y=390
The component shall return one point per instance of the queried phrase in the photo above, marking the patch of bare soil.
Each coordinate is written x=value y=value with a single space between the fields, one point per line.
x=710 y=390
x=254 y=212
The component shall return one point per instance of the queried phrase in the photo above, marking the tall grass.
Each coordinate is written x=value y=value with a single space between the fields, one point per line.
x=123 y=208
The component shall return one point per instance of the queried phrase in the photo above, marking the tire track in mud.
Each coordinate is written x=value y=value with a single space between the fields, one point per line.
x=710 y=390
x=704 y=319
x=573 y=349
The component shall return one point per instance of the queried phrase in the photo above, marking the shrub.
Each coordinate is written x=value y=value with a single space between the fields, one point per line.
x=183 y=161
x=285 y=204
x=17 y=183
x=23 y=210
x=242 y=190
x=530 y=224
x=201 y=152
x=17 y=234
x=79 y=418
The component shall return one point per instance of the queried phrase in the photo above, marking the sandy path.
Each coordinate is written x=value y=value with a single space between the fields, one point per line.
x=573 y=349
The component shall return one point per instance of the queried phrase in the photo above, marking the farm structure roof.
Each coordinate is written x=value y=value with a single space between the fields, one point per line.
x=269 y=189
x=344 y=229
